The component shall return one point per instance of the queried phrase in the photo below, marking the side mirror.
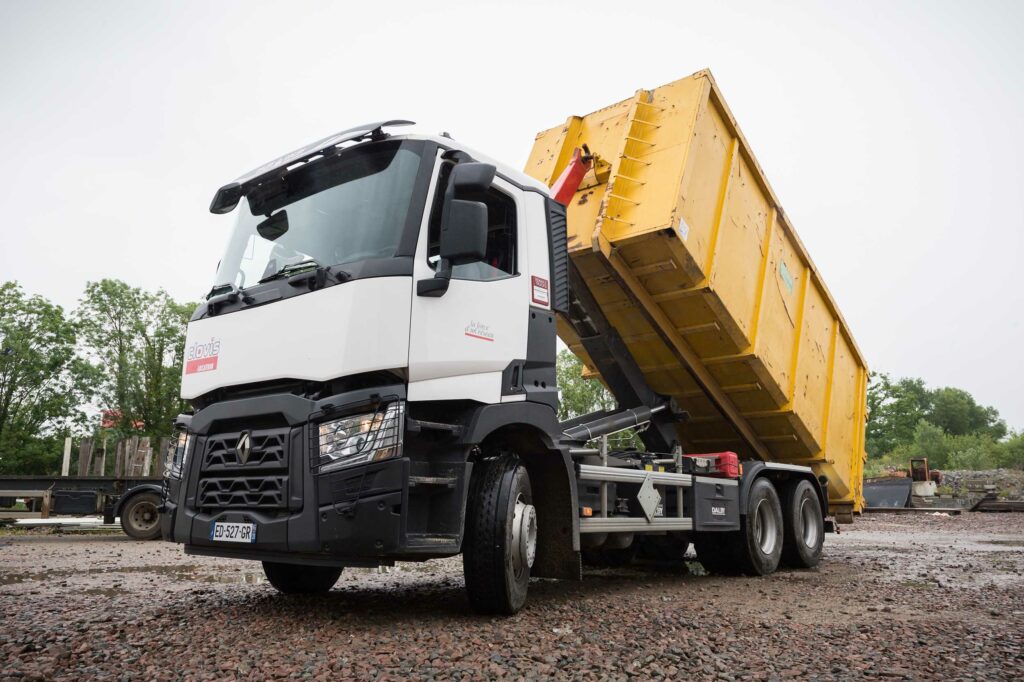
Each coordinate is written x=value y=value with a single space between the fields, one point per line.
x=464 y=232
x=463 y=224
x=471 y=180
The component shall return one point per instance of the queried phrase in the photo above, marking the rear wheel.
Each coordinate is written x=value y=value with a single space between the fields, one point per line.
x=761 y=530
x=756 y=548
x=804 y=526
x=299 y=579
x=140 y=516
x=501 y=535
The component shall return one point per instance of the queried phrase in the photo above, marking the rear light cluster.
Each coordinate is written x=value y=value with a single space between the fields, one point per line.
x=719 y=464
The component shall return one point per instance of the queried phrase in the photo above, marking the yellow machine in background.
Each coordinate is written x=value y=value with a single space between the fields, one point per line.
x=686 y=249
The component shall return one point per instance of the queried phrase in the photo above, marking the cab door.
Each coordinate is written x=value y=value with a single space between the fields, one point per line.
x=463 y=344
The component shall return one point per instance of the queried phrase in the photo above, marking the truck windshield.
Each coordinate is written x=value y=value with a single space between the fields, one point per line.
x=340 y=210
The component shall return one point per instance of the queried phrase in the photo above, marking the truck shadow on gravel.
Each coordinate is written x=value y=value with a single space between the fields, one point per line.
x=445 y=599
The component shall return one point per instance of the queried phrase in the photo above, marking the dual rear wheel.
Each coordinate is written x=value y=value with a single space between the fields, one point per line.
x=786 y=530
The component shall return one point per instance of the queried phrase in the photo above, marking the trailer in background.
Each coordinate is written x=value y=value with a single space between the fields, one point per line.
x=132 y=491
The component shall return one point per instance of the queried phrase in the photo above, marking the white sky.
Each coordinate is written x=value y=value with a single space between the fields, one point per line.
x=891 y=131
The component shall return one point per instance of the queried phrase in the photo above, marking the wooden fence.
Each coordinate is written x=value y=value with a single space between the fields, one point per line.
x=132 y=457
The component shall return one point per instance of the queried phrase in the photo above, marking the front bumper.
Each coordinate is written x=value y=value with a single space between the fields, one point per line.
x=408 y=508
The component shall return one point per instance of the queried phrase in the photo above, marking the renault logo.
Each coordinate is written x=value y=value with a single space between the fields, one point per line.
x=242 y=448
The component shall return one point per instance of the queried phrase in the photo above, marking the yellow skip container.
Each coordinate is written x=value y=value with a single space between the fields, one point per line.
x=686 y=249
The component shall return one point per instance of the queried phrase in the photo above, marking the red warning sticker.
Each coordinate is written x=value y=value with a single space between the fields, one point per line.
x=540 y=291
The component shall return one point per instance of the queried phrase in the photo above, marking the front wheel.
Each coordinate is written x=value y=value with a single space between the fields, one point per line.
x=140 y=517
x=501 y=535
x=299 y=579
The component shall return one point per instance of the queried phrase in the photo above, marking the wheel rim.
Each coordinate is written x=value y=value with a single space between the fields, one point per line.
x=765 y=527
x=144 y=516
x=524 y=537
x=809 y=519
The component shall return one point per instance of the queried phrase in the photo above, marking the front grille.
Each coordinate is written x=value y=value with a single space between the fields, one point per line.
x=255 y=492
x=259 y=481
x=268 y=449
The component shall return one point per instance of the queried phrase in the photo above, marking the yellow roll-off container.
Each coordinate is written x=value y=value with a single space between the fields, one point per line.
x=689 y=254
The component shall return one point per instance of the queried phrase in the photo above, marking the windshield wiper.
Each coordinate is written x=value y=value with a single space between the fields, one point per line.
x=290 y=269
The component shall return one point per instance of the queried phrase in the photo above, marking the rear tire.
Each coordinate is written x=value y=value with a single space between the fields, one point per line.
x=299 y=579
x=756 y=548
x=501 y=535
x=761 y=530
x=140 y=516
x=804 y=526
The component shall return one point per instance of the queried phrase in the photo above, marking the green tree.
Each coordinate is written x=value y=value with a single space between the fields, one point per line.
x=957 y=413
x=1011 y=452
x=949 y=451
x=578 y=395
x=907 y=419
x=976 y=458
x=894 y=410
x=43 y=383
x=137 y=339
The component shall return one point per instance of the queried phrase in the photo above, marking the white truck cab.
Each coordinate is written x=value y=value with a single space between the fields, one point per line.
x=377 y=232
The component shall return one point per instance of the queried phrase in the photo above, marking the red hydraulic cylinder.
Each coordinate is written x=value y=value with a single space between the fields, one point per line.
x=569 y=181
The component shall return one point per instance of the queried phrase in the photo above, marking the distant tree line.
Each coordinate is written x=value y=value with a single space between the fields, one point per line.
x=947 y=425
x=111 y=367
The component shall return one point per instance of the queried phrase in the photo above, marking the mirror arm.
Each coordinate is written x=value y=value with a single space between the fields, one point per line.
x=438 y=284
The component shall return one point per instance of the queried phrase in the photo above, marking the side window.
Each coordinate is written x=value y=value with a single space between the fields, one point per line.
x=500 y=259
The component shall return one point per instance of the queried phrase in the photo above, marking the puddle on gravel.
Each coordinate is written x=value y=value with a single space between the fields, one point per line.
x=233 y=578
x=1004 y=543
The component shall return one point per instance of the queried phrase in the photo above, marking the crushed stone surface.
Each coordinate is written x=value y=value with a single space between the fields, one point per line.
x=897 y=597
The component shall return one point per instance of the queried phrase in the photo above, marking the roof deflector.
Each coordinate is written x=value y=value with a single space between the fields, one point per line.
x=229 y=195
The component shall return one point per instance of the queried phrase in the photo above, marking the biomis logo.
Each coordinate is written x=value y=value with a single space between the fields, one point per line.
x=202 y=356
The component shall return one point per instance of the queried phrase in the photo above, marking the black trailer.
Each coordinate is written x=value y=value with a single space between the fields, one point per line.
x=136 y=500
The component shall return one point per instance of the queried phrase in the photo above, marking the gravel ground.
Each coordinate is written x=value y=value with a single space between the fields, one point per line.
x=898 y=596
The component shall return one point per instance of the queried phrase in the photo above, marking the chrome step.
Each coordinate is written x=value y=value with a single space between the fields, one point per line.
x=629 y=524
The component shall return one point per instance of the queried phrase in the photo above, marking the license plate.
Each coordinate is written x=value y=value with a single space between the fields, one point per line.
x=233 y=532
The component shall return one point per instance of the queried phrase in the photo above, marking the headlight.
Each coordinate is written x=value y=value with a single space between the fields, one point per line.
x=363 y=438
x=177 y=453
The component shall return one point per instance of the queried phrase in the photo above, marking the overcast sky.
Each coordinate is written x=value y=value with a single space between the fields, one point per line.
x=891 y=131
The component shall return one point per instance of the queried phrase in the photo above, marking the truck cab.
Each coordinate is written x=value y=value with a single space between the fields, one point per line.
x=381 y=319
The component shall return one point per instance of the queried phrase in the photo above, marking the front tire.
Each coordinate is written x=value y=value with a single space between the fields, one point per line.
x=140 y=517
x=501 y=535
x=299 y=579
x=804 y=526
